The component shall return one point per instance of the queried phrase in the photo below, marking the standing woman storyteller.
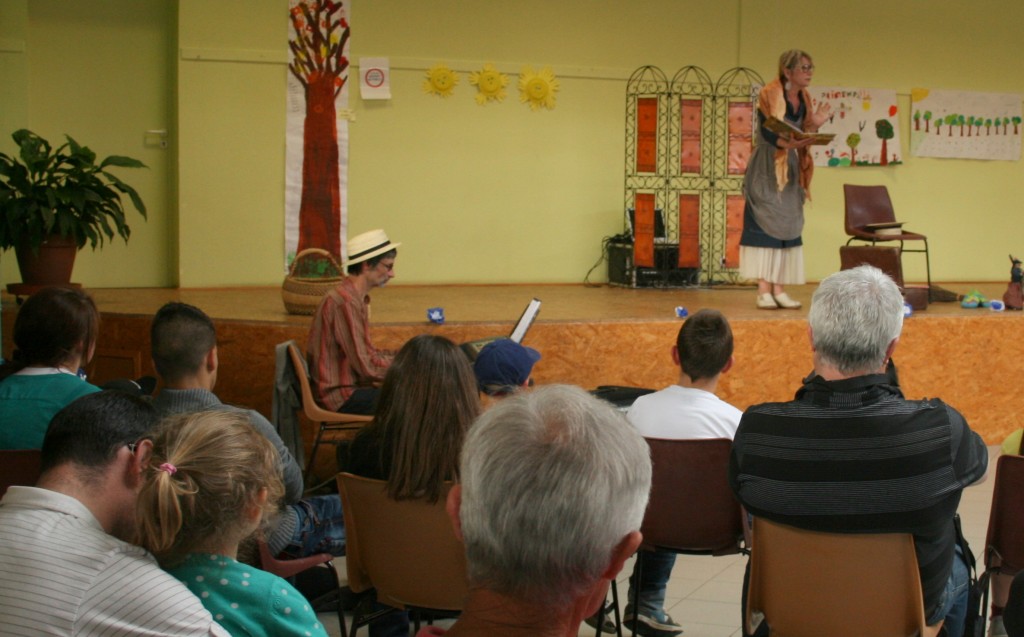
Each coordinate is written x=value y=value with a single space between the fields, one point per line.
x=776 y=183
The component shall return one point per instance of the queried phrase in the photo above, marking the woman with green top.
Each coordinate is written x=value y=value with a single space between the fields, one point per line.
x=54 y=337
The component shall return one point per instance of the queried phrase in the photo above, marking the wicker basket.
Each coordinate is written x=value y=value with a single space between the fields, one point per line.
x=302 y=295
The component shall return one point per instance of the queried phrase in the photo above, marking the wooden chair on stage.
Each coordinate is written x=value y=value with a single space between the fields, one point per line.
x=329 y=423
x=870 y=219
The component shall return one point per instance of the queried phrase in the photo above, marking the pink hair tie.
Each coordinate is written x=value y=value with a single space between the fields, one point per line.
x=168 y=467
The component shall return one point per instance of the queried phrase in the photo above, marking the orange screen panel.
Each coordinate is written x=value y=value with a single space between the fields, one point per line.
x=689 y=231
x=741 y=136
x=689 y=143
x=733 y=229
x=646 y=134
x=643 y=231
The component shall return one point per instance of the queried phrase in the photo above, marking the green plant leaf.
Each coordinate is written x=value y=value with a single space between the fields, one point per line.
x=124 y=162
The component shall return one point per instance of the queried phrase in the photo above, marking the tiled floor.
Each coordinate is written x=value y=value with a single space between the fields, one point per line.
x=704 y=592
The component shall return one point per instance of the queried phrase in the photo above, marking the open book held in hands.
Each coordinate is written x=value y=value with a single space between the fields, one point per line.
x=784 y=128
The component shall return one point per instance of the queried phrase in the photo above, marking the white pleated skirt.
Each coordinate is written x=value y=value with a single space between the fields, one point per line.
x=784 y=266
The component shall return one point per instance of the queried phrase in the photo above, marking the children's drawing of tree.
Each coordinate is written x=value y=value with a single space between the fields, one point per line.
x=1016 y=124
x=950 y=122
x=970 y=124
x=988 y=125
x=853 y=140
x=917 y=120
x=960 y=119
x=927 y=120
x=978 y=122
x=884 y=131
x=318 y=41
x=1006 y=122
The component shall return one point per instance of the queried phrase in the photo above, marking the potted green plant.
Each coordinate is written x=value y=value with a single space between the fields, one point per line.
x=57 y=200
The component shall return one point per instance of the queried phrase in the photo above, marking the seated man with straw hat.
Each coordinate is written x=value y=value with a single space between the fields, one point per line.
x=344 y=366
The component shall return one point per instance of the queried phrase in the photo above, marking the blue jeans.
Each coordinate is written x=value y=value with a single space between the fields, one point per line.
x=320 y=529
x=657 y=569
x=953 y=603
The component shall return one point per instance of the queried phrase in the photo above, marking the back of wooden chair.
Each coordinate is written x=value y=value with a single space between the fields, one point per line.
x=692 y=509
x=1004 y=543
x=809 y=584
x=18 y=467
x=325 y=420
x=405 y=549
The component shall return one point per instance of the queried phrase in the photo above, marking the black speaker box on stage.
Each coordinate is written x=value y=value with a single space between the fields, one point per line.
x=665 y=274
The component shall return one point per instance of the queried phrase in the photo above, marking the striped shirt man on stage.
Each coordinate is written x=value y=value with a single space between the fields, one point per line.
x=851 y=454
x=345 y=368
x=65 y=567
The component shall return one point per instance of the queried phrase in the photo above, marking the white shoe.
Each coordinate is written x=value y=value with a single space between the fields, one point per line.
x=766 y=302
x=996 y=628
x=787 y=303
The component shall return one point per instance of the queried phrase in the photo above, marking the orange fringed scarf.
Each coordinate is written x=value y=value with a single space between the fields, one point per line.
x=772 y=102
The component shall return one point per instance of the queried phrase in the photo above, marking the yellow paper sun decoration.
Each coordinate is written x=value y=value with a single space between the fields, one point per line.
x=538 y=88
x=441 y=81
x=490 y=84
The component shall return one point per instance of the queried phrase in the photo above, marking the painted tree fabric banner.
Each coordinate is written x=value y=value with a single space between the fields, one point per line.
x=964 y=124
x=866 y=126
x=316 y=175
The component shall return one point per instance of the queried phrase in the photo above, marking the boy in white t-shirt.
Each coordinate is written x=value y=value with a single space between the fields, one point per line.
x=686 y=410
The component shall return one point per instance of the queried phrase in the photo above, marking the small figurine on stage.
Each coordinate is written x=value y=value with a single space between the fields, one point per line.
x=1014 y=296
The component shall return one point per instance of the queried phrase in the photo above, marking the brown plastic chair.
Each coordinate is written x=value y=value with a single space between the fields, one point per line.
x=1004 y=543
x=18 y=467
x=326 y=421
x=809 y=584
x=692 y=509
x=406 y=549
x=871 y=204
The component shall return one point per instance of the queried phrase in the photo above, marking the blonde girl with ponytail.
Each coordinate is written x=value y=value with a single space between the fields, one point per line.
x=211 y=480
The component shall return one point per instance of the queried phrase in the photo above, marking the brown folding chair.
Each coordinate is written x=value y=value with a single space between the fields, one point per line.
x=1004 y=542
x=692 y=509
x=809 y=584
x=328 y=422
x=867 y=205
x=18 y=467
x=406 y=550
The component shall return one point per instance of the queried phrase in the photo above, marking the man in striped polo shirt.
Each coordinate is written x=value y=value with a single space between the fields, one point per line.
x=67 y=566
x=851 y=454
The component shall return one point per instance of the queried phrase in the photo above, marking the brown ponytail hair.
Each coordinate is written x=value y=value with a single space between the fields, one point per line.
x=206 y=469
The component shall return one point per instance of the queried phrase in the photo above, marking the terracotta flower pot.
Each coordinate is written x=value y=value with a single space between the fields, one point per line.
x=51 y=265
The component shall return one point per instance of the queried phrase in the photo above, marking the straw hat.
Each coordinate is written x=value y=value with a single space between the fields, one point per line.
x=368 y=245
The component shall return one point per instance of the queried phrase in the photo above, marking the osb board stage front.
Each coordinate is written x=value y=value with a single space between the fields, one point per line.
x=592 y=336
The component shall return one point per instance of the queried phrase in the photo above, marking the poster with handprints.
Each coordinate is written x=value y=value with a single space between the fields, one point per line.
x=964 y=124
x=866 y=126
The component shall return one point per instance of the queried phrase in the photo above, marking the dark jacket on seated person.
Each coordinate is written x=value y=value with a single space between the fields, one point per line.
x=855 y=456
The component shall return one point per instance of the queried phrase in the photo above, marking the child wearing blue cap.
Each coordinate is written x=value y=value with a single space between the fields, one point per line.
x=504 y=366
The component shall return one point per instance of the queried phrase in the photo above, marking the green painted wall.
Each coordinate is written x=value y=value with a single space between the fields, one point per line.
x=482 y=194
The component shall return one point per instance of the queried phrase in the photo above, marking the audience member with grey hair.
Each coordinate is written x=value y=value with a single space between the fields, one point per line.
x=855 y=317
x=553 y=488
x=850 y=454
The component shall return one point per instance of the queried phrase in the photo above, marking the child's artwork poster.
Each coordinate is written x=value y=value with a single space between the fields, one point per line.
x=866 y=126
x=965 y=125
